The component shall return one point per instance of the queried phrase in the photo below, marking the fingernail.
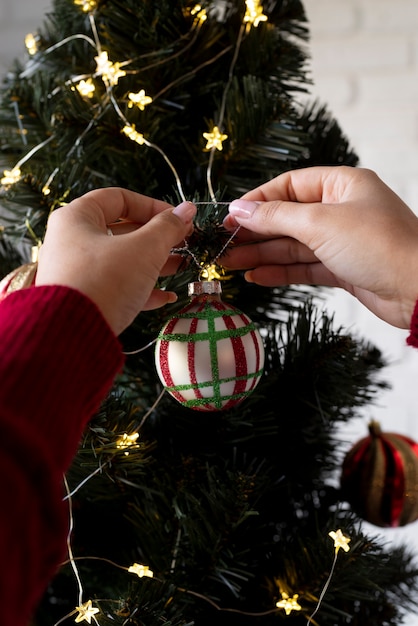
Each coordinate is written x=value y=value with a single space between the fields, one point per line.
x=185 y=211
x=172 y=297
x=242 y=208
x=229 y=222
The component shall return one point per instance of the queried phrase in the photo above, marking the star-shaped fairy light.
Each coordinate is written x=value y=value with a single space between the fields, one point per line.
x=86 y=612
x=214 y=139
x=340 y=540
x=141 y=570
x=86 y=5
x=140 y=99
x=289 y=604
x=199 y=13
x=254 y=13
x=129 y=131
x=127 y=441
x=210 y=272
x=31 y=44
x=110 y=72
x=11 y=176
x=86 y=88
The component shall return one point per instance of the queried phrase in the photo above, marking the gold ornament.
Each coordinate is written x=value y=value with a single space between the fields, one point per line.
x=20 y=278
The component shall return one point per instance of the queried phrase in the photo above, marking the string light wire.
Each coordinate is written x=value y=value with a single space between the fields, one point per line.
x=222 y=110
x=69 y=548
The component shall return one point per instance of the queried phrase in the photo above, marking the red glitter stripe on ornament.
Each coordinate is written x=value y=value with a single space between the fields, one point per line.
x=163 y=358
x=255 y=379
x=394 y=485
x=241 y=365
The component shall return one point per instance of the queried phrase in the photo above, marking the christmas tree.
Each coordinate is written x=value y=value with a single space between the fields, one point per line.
x=183 y=516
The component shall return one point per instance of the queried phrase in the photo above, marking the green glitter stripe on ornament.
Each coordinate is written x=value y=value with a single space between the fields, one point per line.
x=208 y=335
x=208 y=309
x=219 y=402
x=209 y=383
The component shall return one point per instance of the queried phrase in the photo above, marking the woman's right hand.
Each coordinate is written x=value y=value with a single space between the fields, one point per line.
x=331 y=226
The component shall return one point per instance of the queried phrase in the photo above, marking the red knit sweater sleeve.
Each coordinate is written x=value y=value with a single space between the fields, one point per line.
x=412 y=339
x=57 y=362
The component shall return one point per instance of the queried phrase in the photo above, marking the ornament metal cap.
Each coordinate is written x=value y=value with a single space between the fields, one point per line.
x=203 y=287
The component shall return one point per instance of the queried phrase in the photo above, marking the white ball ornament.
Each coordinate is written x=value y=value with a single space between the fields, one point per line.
x=210 y=356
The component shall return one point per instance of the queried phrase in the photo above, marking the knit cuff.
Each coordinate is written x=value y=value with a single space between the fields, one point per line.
x=412 y=339
x=59 y=359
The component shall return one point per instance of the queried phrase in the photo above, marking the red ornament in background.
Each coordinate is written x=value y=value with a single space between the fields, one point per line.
x=20 y=278
x=380 y=478
x=210 y=356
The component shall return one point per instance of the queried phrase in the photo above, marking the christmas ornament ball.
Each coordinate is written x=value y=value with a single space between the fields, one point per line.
x=380 y=478
x=210 y=356
x=19 y=278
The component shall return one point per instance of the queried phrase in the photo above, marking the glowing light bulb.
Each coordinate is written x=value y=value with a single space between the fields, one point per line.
x=86 y=5
x=140 y=99
x=127 y=441
x=31 y=43
x=86 y=612
x=199 y=13
x=254 y=13
x=86 y=88
x=110 y=72
x=340 y=540
x=141 y=570
x=214 y=139
x=210 y=272
x=129 y=131
x=289 y=604
x=11 y=176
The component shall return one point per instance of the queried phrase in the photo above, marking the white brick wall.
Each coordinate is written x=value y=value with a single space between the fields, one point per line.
x=365 y=68
x=17 y=18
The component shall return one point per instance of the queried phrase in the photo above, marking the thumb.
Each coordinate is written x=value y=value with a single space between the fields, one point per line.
x=166 y=229
x=276 y=218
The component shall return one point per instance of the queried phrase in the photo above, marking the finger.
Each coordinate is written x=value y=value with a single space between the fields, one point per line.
x=174 y=262
x=280 y=218
x=284 y=250
x=299 y=274
x=115 y=203
x=243 y=234
x=158 y=299
x=151 y=244
x=312 y=184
